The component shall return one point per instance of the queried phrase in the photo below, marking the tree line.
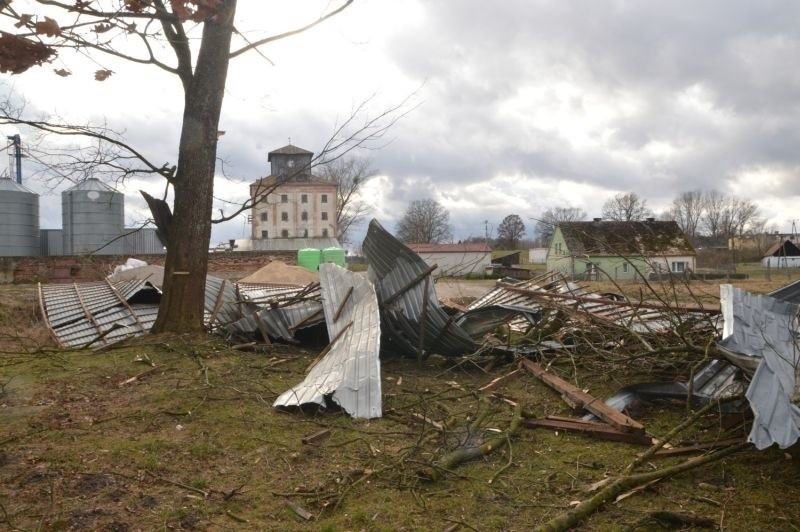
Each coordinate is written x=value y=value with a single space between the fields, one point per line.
x=707 y=217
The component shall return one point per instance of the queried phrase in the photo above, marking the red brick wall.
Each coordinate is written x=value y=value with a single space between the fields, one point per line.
x=69 y=269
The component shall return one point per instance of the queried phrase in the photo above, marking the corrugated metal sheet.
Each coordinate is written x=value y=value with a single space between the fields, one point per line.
x=350 y=372
x=763 y=327
x=282 y=309
x=98 y=312
x=790 y=292
x=51 y=242
x=142 y=241
x=392 y=268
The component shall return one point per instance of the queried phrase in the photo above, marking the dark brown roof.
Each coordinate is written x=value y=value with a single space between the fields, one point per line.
x=625 y=238
x=783 y=248
x=289 y=149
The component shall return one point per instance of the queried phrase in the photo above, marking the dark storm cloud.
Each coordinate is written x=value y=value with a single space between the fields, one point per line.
x=737 y=57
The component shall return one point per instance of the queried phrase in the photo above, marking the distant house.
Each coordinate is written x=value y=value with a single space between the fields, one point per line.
x=619 y=250
x=782 y=254
x=457 y=260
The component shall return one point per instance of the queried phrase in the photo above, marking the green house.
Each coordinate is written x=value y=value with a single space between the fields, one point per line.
x=601 y=250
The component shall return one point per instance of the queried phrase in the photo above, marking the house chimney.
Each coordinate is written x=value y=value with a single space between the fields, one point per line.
x=598 y=219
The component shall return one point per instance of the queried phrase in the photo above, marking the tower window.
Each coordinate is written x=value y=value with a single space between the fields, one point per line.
x=284 y=216
x=264 y=234
x=324 y=198
x=325 y=233
x=264 y=217
x=285 y=233
x=324 y=215
x=304 y=198
x=304 y=216
x=284 y=198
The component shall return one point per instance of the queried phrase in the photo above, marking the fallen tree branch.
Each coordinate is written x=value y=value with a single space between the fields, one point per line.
x=459 y=456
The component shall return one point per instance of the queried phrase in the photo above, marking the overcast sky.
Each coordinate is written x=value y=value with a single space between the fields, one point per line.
x=515 y=106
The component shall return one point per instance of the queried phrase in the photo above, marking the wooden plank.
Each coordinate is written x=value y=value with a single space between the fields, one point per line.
x=342 y=304
x=588 y=402
x=46 y=319
x=217 y=304
x=127 y=306
x=262 y=327
x=501 y=381
x=601 y=431
x=411 y=284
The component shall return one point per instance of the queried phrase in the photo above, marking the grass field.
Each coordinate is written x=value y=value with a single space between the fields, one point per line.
x=193 y=443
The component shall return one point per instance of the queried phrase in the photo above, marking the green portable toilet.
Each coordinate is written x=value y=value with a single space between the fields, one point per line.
x=309 y=258
x=334 y=255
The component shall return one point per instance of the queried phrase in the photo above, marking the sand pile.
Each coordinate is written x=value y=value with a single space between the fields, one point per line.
x=277 y=272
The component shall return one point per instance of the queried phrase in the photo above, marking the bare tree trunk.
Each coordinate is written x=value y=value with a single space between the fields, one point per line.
x=186 y=264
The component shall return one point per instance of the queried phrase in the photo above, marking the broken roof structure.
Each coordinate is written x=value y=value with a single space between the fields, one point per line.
x=411 y=319
x=642 y=238
x=765 y=330
x=349 y=371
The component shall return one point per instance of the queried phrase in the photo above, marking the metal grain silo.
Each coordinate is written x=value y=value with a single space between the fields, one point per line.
x=19 y=220
x=94 y=218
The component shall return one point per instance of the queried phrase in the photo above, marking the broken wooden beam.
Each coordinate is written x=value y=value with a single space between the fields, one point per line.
x=500 y=381
x=411 y=284
x=579 y=398
x=601 y=431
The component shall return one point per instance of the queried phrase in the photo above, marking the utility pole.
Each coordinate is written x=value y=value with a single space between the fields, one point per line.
x=16 y=142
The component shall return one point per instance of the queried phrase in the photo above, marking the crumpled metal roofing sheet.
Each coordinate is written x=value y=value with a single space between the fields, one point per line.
x=350 y=372
x=280 y=322
x=77 y=314
x=392 y=267
x=764 y=327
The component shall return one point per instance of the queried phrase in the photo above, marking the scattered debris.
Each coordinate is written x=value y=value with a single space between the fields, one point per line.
x=763 y=331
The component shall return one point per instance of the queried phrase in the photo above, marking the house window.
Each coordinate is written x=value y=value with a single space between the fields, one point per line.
x=284 y=216
x=264 y=217
x=285 y=233
x=304 y=216
x=284 y=198
x=678 y=267
x=324 y=198
x=624 y=267
x=324 y=215
x=325 y=233
x=264 y=234
x=305 y=233
x=304 y=198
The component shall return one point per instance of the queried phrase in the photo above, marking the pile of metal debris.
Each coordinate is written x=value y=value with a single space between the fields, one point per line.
x=395 y=308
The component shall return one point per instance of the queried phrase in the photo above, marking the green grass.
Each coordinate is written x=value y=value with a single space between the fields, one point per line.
x=196 y=444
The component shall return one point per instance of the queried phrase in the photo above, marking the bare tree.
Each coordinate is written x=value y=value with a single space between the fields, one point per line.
x=546 y=225
x=425 y=222
x=349 y=174
x=687 y=210
x=510 y=231
x=725 y=217
x=713 y=216
x=626 y=207
x=191 y=39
